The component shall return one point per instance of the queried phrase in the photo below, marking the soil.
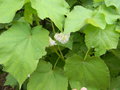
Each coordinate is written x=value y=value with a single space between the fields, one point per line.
x=2 y=81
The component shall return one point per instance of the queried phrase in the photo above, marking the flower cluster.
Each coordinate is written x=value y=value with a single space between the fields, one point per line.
x=62 y=38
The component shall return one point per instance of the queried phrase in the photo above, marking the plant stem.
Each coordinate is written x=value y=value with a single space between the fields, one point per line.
x=86 y=54
x=60 y=52
x=53 y=27
x=48 y=20
x=56 y=62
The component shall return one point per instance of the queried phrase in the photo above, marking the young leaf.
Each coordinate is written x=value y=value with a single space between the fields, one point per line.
x=101 y=39
x=8 y=9
x=21 y=48
x=87 y=72
x=53 y=9
x=44 y=78
x=76 y=19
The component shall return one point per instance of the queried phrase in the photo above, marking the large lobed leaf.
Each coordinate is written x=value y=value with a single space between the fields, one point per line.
x=98 y=20
x=8 y=9
x=44 y=78
x=20 y=49
x=76 y=19
x=53 y=9
x=101 y=39
x=91 y=73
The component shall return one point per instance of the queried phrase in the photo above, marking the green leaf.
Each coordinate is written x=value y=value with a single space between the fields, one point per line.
x=78 y=46
x=8 y=9
x=28 y=13
x=117 y=28
x=90 y=73
x=75 y=19
x=27 y=1
x=71 y=2
x=118 y=45
x=112 y=59
x=53 y=9
x=101 y=39
x=21 y=48
x=10 y=80
x=86 y=3
x=98 y=20
x=113 y=3
x=98 y=0
x=110 y=14
x=44 y=78
x=115 y=84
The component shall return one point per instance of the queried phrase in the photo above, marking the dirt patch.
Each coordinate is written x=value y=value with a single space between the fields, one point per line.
x=2 y=81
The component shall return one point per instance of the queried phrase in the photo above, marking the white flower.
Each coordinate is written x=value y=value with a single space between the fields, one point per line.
x=63 y=38
x=83 y=88
x=52 y=42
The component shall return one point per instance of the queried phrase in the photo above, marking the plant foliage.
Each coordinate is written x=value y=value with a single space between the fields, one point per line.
x=60 y=44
